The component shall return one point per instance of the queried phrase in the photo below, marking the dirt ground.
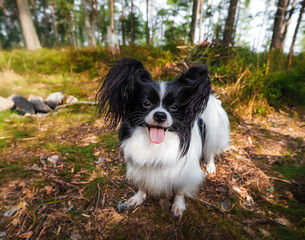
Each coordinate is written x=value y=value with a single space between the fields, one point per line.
x=257 y=193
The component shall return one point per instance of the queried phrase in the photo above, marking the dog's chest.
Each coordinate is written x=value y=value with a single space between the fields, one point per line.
x=139 y=150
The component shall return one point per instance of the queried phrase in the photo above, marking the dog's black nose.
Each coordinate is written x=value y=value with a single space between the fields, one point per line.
x=160 y=117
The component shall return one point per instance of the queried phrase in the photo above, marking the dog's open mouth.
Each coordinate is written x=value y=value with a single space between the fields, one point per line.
x=156 y=133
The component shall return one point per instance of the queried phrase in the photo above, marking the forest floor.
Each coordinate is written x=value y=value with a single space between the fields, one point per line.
x=257 y=193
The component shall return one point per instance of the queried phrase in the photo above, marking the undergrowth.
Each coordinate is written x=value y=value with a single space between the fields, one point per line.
x=255 y=80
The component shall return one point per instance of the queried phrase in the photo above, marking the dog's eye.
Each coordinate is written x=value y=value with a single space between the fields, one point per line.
x=173 y=108
x=146 y=104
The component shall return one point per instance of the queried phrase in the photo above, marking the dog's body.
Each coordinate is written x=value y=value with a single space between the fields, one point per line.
x=166 y=128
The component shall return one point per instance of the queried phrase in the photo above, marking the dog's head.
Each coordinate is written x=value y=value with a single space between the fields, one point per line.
x=129 y=94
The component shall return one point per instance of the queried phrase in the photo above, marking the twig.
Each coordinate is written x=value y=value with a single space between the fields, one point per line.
x=282 y=180
x=41 y=232
x=98 y=197
x=62 y=182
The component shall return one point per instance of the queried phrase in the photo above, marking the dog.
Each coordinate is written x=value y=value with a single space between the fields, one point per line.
x=165 y=129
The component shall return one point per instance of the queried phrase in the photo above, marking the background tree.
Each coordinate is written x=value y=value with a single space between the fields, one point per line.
x=88 y=25
x=295 y=33
x=278 y=26
x=229 y=27
x=28 y=29
x=112 y=38
x=194 y=21
x=52 y=7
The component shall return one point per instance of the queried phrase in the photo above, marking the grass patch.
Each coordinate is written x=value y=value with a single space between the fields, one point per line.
x=13 y=170
x=93 y=186
x=110 y=141
x=292 y=172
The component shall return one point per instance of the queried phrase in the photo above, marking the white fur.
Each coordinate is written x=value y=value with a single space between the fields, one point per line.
x=136 y=200
x=179 y=205
x=160 y=169
x=217 y=134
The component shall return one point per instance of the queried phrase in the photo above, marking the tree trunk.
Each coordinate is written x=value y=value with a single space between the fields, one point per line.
x=229 y=27
x=148 y=42
x=112 y=38
x=93 y=20
x=132 y=30
x=87 y=24
x=200 y=19
x=28 y=29
x=279 y=20
x=73 y=30
x=54 y=21
x=36 y=23
x=46 y=23
x=194 y=22
x=295 y=34
x=122 y=19
x=287 y=22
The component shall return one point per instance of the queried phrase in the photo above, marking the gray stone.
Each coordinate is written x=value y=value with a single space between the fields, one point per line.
x=6 y=104
x=71 y=99
x=10 y=212
x=265 y=233
x=54 y=159
x=100 y=160
x=55 y=99
x=22 y=105
x=39 y=104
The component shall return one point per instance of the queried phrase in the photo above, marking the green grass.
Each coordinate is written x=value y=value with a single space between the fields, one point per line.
x=292 y=172
x=110 y=140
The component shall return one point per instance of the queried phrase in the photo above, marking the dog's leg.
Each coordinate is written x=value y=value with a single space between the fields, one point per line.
x=179 y=205
x=136 y=200
x=210 y=167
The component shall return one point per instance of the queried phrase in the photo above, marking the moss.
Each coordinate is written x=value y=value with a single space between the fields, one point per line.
x=13 y=170
x=293 y=172
x=286 y=233
x=93 y=186
x=110 y=141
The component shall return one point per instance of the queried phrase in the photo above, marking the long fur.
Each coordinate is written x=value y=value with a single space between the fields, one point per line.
x=193 y=122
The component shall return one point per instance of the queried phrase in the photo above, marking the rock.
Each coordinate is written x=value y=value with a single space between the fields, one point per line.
x=71 y=99
x=43 y=160
x=6 y=104
x=22 y=105
x=75 y=236
x=249 y=230
x=283 y=221
x=39 y=104
x=265 y=233
x=10 y=212
x=55 y=99
x=100 y=160
x=2 y=234
x=225 y=205
x=54 y=159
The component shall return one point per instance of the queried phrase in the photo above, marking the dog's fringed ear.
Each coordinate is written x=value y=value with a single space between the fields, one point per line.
x=118 y=88
x=195 y=87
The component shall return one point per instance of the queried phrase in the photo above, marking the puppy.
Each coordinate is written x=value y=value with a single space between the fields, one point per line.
x=165 y=129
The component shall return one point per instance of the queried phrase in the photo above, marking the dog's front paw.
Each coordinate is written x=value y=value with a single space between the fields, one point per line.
x=136 y=200
x=211 y=168
x=179 y=206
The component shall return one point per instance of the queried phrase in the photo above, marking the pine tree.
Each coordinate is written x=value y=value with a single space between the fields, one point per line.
x=28 y=29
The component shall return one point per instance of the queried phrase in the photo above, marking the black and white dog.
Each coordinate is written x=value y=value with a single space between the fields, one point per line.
x=165 y=129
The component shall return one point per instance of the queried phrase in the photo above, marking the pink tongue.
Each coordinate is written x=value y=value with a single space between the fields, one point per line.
x=156 y=135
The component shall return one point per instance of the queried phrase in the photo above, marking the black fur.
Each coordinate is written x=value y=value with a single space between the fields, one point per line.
x=128 y=84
